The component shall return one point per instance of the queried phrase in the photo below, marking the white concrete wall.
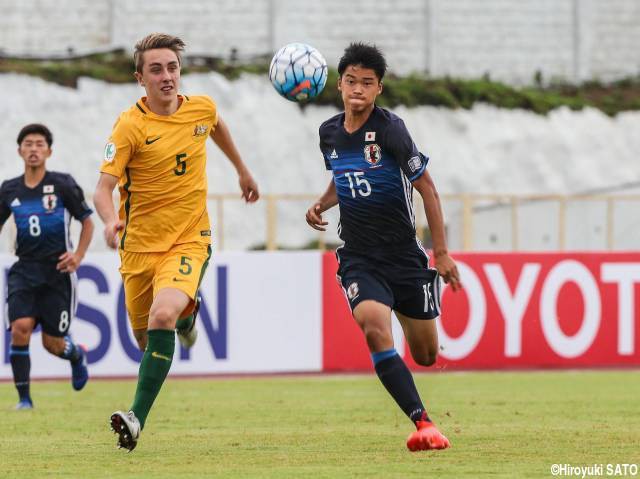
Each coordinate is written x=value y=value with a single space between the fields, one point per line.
x=48 y=26
x=509 y=39
x=208 y=27
x=615 y=38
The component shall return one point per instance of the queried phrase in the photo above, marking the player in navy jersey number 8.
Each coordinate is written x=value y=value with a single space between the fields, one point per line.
x=382 y=265
x=41 y=284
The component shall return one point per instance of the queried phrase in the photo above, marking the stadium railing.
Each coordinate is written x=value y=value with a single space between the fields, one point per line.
x=474 y=222
x=605 y=222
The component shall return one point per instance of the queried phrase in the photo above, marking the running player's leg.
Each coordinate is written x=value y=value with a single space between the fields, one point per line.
x=137 y=270
x=76 y=354
x=57 y=306
x=167 y=305
x=186 y=325
x=375 y=321
x=370 y=299
x=191 y=256
x=177 y=277
x=21 y=329
x=416 y=309
x=22 y=313
x=156 y=361
x=422 y=338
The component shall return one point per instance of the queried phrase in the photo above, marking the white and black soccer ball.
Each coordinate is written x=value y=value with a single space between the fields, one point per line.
x=298 y=72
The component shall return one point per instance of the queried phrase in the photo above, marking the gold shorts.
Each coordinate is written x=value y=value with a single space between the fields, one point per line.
x=144 y=274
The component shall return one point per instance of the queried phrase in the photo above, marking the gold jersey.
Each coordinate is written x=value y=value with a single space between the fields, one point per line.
x=160 y=163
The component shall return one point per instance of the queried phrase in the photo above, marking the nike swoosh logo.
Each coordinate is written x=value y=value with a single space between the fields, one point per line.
x=160 y=356
x=178 y=279
x=148 y=141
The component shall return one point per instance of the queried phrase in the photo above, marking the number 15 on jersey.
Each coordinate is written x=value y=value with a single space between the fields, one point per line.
x=358 y=183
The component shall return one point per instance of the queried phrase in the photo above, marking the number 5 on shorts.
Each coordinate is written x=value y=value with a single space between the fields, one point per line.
x=185 y=266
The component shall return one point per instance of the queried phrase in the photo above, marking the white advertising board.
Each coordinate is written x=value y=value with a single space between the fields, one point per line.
x=261 y=312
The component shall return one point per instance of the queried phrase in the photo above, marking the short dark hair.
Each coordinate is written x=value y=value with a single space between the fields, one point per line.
x=36 y=129
x=365 y=55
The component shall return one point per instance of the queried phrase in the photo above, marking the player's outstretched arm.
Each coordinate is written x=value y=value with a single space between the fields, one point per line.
x=103 y=201
x=327 y=201
x=70 y=261
x=222 y=137
x=433 y=209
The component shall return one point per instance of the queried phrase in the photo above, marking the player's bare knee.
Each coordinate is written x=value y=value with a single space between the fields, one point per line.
x=162 y=317
x=378 y=338
x=20 y=335
x=426 y=358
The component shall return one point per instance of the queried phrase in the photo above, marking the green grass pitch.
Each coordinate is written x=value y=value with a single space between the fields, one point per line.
x=501 y=425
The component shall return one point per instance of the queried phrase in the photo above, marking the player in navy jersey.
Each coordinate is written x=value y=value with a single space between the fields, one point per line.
x=382 y=265
x=41 y=284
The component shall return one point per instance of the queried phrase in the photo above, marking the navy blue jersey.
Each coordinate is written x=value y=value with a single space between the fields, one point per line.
x=373 y=168
x=42 y=214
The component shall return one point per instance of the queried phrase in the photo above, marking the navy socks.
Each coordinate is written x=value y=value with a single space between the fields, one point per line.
x=398 y=381
x=21 y=367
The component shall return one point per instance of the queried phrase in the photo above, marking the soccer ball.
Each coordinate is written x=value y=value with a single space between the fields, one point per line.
x=298 y=72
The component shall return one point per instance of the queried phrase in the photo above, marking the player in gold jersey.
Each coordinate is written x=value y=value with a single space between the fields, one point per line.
x=157 y=157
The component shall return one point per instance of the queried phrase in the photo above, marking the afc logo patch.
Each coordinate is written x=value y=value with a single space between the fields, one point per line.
x=109 y=152
x=49 y=202
x=373 y=154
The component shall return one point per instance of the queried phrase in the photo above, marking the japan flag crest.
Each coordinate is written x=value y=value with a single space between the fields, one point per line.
x=49 y=202
x=373 y=154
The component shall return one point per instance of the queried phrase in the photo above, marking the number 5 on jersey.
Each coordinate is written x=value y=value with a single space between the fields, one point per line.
x=181 y=165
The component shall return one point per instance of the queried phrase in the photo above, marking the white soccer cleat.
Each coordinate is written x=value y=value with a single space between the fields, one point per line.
x=189 y=336
x=127 y=427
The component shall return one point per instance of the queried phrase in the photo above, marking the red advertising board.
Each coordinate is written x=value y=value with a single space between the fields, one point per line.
x=516 y=310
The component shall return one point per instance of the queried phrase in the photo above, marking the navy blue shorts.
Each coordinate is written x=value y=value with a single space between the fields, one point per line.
x=37 y=290
x=401 y=279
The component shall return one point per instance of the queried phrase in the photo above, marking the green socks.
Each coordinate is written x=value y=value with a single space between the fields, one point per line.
x=184 y=323
x=154 y=368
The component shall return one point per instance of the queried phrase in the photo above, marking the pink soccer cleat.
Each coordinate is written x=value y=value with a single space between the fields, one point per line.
x=427 y=437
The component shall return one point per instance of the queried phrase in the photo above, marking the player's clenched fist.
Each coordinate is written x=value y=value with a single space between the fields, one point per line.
x=111 y=233
x=249 y=188
x=314 y=218
x=448 y=271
